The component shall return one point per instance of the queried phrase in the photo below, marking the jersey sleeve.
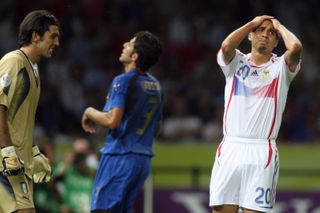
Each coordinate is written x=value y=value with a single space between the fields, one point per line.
x=288 y=74
x=9 y=70
x=118 y=92
x=229 y=69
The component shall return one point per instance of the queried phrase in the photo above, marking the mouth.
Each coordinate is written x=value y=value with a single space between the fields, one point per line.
x=264 y=41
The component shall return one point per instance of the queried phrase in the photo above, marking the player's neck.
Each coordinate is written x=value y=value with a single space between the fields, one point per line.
x=30 y=53
x=260 y=58
x=129 y=67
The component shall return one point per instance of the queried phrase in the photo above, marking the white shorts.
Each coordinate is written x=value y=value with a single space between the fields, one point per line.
x=245 y=173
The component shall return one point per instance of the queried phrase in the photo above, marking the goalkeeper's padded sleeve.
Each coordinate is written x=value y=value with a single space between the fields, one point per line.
x=12 y=164
x=41 y=166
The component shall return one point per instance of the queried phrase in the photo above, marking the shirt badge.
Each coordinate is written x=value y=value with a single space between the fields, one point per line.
x=116 y=87
x=5 y=80
x=266 y=72
x=265 y=77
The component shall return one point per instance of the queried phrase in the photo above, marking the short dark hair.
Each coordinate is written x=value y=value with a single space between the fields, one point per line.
x=37 y=21
x=149 y=49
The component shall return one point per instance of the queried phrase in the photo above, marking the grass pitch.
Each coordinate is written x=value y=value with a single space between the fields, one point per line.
x=174 y=163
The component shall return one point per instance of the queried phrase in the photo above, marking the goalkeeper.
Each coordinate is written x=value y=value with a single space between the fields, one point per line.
x=21 y=162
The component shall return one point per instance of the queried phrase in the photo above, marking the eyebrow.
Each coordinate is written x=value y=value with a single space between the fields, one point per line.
x=55 y=34
x=264 y=27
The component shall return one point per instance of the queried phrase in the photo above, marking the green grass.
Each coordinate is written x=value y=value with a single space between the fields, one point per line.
x=182 y=157
x=294 y=158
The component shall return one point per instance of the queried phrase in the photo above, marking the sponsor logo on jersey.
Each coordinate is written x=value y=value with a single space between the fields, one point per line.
x=254 y=73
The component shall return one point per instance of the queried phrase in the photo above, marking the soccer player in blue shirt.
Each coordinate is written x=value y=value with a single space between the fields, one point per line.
x=132 y=113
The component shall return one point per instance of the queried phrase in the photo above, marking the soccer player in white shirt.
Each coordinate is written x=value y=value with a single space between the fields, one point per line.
x=246 y=166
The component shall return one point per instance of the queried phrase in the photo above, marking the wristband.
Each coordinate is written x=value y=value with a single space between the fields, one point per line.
x=35 y=150
x=8 y=151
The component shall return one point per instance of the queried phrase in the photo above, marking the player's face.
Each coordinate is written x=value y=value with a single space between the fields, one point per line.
x=127 y=51
x=264 y=38
x=49 y=41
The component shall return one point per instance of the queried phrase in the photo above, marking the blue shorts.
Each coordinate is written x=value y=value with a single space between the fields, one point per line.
x=118 y=182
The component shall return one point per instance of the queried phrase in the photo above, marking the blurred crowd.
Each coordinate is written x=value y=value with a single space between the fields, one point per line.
x=92 y=35
x=69 y=190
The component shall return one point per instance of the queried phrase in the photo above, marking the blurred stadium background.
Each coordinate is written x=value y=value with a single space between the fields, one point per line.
x=78 y=75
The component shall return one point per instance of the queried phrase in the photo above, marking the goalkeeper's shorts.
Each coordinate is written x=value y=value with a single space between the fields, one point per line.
x=245 y=174
x=16 y=193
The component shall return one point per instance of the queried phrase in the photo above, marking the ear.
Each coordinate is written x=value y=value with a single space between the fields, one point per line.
x=276 y=44
x=134 y=56
x=250 y=36
x=35 y=37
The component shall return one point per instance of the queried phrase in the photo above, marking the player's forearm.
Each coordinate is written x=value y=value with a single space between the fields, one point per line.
x=5 y=139
x=98 y=117
x=106 y=119
x=234 y=39
x=291 y=42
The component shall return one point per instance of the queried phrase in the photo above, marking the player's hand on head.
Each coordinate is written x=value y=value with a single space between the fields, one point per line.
x=12 y=164
x=276 y=23
x=259 y=19
x=41 y=167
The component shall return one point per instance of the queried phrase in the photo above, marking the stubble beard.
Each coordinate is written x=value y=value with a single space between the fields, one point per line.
x=262 y=49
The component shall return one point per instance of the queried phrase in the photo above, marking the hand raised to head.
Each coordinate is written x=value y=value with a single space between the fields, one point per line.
x=259 y=19
x=276 y=23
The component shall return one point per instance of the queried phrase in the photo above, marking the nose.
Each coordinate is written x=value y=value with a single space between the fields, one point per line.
x=264 y=33
x=57 y=42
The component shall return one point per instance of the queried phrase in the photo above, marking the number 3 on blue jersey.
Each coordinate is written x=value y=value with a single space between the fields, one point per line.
x=149 y=115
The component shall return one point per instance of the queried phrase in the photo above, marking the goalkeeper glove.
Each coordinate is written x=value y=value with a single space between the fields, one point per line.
x=41 y=166
x=12 y=164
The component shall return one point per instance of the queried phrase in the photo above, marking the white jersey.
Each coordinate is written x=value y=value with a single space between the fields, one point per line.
x=255 y=96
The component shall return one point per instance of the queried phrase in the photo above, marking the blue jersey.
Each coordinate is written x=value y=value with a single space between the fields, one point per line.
x=139 y=95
